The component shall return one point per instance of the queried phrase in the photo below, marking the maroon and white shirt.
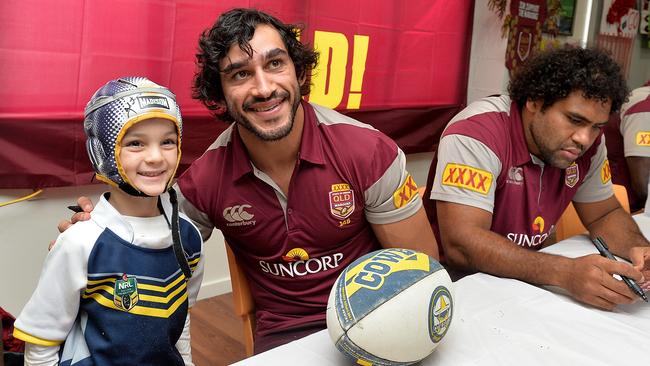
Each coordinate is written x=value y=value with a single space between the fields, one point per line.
x=483 y=161
x=635 y=123
x=628 y=134
x=293 y=248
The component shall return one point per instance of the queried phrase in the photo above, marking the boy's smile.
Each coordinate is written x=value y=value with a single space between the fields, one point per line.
x=148 y=155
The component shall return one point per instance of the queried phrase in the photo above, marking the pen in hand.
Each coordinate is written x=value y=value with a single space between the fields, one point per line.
x=76 y=208
x=604 y=251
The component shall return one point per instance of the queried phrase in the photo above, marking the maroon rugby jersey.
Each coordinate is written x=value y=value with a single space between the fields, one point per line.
x=628 y=134
x=293 y=248
x=483 y=161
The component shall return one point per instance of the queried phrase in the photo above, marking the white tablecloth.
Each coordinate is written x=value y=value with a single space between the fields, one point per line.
x=500 y=321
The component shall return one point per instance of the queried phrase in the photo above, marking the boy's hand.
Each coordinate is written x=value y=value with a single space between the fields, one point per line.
x=85 y=206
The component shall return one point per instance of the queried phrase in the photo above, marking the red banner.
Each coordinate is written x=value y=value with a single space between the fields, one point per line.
x=400 y=66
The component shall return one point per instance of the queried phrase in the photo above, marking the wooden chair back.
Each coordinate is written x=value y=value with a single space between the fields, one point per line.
x=569 y=223
x=243 y=301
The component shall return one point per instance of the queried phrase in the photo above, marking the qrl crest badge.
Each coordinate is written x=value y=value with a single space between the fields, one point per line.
x=341 y=201
x=125 y=294
x=571 y=175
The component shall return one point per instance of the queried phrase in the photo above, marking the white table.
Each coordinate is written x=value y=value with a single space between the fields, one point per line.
x=500 y=321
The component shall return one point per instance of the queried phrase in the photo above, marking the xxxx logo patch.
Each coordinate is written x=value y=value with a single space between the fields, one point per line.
x=643 y=138
x=605 y=172
x=467 y=177
x=405 y=192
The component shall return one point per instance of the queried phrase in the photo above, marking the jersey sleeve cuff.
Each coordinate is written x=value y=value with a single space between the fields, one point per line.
x=389 y=217
x=468 y=201
x=34 y=340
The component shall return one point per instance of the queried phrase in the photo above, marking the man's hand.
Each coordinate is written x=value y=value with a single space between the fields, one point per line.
x=590 y=280
x=86 y=205
x=640 y=258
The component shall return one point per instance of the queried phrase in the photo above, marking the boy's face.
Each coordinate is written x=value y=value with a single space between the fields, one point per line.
x=262 y=92
x=148 y=155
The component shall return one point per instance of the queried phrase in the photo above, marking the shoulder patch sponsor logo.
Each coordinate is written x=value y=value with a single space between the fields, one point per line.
x=467 y=177
x=515 y=176
x=571 y=175
x=643 y=138
x=125 y=292
x=238 y=215
x=405 y=193
x=341 y=200
x=605 y=172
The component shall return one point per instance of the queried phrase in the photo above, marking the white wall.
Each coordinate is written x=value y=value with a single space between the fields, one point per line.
x=640 y=65
x=487 y=71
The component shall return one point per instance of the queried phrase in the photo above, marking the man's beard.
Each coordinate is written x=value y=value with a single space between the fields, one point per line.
x=548 y=155
x=274 y=135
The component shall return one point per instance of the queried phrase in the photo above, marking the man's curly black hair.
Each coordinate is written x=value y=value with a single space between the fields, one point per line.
x=553 y=75
x=237 y=26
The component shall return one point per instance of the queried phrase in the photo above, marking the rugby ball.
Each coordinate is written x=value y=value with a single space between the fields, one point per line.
x=390 y=307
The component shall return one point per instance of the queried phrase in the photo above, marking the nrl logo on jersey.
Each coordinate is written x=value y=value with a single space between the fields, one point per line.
x=341 y=201
x=571 y=175
x=125 y=293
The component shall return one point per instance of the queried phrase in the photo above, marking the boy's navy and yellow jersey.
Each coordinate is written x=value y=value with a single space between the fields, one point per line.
x=115 y=295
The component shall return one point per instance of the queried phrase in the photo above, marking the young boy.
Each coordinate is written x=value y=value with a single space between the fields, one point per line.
x=117 y=290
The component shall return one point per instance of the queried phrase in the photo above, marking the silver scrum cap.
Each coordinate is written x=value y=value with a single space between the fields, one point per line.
x=112 y=110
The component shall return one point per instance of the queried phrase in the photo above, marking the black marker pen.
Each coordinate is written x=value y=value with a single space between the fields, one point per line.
x=604 y=251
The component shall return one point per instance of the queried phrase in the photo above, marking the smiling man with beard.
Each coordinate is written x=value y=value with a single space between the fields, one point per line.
x=292 y=185
x=507 y=167
x=299 y=191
